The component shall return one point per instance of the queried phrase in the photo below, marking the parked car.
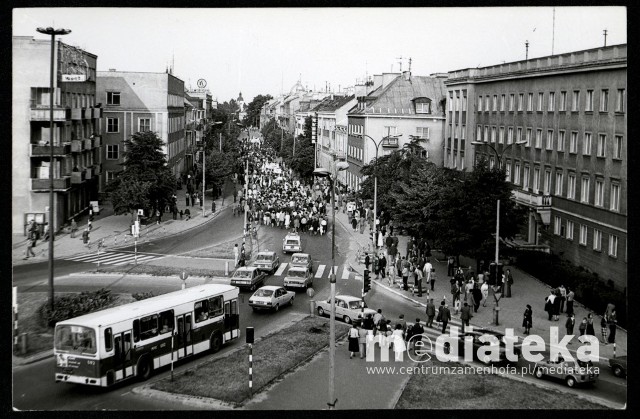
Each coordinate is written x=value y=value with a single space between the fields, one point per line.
x=292 y=243
x=271 y=298
x=302 y=260
x=298 y=277
x=347 y=308
x=619 y=366
x=248 y=277
x=477 y=343
x=571 y=372
x=267 y=261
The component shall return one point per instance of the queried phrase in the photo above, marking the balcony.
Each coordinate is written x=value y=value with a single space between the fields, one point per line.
x=97 y=141
x=88 y=144
x=44 y=150
x=96 y=113
x=77 y=114
x=42 y=114
x=88 y=173
x=541 y=203
x=390 y=143
x=76 y=146
x=77 y=177
x=86 y=114
x=42 y=185
x=96 y=169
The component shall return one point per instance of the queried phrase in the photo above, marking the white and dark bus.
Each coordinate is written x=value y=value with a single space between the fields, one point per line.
x=132 y=340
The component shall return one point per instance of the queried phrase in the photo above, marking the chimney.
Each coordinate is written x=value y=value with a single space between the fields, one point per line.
x=388 y=78
x=377 y=81
x=406 y=75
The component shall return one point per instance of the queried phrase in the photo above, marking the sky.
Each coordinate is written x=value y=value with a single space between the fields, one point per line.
x=266 y=51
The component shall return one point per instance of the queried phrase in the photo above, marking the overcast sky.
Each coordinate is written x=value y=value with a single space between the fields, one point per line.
x=265 y=51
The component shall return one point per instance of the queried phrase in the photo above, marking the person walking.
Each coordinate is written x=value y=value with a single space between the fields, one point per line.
x=85 y=237
x=431 y=312
x=397 y=340
x=415 y=335
x=446 y=317
x=570 y=297
x=362 y=340
x=569 y=325
x=612 y=321
x=465 y=315
x=432 y=278
x=74 y=228
x=604 y=328
x=527 y=321
x=29 y=250
x=236 y=254
x=509 y=282
x=484 y=289
x=354 y=336
x=548 y=305
x=450 y=265
x=590 y=328
x=563 y=297
x=417 y=273
x=367 y=260
x=583 y=327
x=405 y=276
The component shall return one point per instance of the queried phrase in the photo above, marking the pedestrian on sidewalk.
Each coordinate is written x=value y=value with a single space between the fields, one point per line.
x=569 y=324
x=236 y=255
x=431 y=312
x=570 y=297
x=29 y=250
x=548 y=306
x=417 y=275
x=590 y=328
x=484 y=289
x=446 y=317
x=85 y=236
x=612 y=321
x=367 y=260
x=354 y=336
x=187 y=214
x=74 y=228
x=465 y=315
x=583 y=327
x=527 y=321
x=362 y=340
x=563 y=297
x=213 y=207
x=432 y=278
x=604 y=329
x=382 y=266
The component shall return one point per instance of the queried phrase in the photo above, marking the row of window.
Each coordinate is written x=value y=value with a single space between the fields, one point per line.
x=40 y=97
x=493 y=103
x=458 y=104
x=566 y=230
x=492 y=134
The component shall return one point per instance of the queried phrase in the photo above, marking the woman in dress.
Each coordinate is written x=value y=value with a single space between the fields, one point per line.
x=398 y=341
x=527 y=321
x=354 y=344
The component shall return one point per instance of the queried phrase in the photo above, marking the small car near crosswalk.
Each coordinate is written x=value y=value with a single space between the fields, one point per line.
x=267 y=261
x=248 y=277
x=292 y=243
x=271 y=297
x=302 y=260
x=347 y=308
x=298 y=277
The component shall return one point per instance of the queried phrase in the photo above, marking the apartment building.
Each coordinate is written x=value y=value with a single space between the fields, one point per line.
x=558 y=125
x=75 y=140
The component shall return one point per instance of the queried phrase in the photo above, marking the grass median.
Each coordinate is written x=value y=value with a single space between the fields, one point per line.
x=226 y=378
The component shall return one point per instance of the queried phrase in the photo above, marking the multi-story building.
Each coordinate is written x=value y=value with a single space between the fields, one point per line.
x=76 y=136
x=397 y=104
x=558 y=125
x=136 y=102
x=198 y=113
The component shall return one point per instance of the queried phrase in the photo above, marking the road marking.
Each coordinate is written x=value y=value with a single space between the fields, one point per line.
x=345 y=273
x=113 y=258
x=281 y=268
x=320 y=271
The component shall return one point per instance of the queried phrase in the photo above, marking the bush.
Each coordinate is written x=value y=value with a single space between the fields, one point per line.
x=142 y=295
x=74 y=305
x=589 y=289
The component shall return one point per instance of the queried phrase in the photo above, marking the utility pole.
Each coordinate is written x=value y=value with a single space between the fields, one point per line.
x=605 y=37
x=526 y=45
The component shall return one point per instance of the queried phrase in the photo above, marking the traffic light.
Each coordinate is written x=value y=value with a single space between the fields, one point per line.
x=366 y=286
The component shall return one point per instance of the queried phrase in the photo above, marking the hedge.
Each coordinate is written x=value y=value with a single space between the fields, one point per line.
x=74 y=305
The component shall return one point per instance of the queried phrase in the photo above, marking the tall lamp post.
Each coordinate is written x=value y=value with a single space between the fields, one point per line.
x=53 y=32
x=322 y=172
x=204 y=167
x=246 y=181
x=507 y=290
x=375 y=190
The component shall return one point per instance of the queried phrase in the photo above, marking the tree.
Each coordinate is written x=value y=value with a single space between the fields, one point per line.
x=145 y=182
x=303 y=160
x=254 y=108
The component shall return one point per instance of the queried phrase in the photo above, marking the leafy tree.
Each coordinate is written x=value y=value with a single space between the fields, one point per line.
x=254 y=108
x=303 y=160
x=145 y=182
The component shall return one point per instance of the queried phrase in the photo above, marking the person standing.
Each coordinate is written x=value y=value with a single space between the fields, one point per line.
x=85 y=236
x=446 y=317
x=548 y=306
x=590 y=328
x=465 y=315
x=527 y=321
x=612 y=321
x=415 y=335
x=367 y=260
x=432 y=278
x=569 y=324
x=29 y=250
x=382 y=266
x=484 y=289
x=563 y=297
x=417 y=273
x=509 y=281
x=604 y=328
x=450 y=265
x=397 y=340
x=431 y=312
x=236 y=254
x=74 y=228
x=362 y=340
x=354 y=340
x=570 y=297
x=405 y=276
x=583 y=327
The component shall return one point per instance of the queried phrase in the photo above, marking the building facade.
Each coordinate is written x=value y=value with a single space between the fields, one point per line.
x=136 y=102
x=558 y=125
x=76 y=137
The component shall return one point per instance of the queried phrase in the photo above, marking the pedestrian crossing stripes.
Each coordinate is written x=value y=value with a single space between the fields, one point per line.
x=281 y=269
x=113 y=258
x=320 y=272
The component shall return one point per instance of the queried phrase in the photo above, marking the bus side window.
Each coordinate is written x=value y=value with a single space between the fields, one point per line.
x=136 y=330
x=215 y=306
x=201 y=310
x=108 y=339
x=166 y=321
x=117 y=345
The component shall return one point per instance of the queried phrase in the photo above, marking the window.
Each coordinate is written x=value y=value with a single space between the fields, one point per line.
x=423 y=107
x=525 y=179
x=510 y=135
x=479 y=133
x=583 y=234
x=479 y=103
x=512 y=101
x=573 y=142
x=527 y=139
x=450 y=101
x=109 y=175
x=457 y=102
x=557 y=223
x=613 y=245
x=486 y=133
x=604 y=100
x=495 y=103
x=108 y=338
x=620 y=100
x=486 y=103
x=589 y=103
x=550 y=139
x=147 y=327
x=113 y=125
x=501 y=136
x=602 y=144
x=569 y=230
x=520 y=101
x=571 y=186
x=599 y=193
x=464 y=102
x=559 y=181
x=540 y=101
x=576 y=100
x=536 y=179
x=561 y=135
x=530 y=102
x=563 y=101
x=617 y=147
x=538 y=138
x=423 y=132
x=493 y=134
x=390 y=130
x=615 y=197
x=587 y=144
x=462 y=134
x=492 y=162
x=552 y=102
x=113 y=98
x=502 y=101
x=516 y=173
x=546 y=187
x=144 y=124
x=584 y=190
x=166 y=321
x=112 y=152
x=597 y=240
x=507 y=168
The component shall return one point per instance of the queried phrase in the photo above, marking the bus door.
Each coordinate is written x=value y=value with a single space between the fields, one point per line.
x=182 y=341
x=123 y=363
x=231 y=320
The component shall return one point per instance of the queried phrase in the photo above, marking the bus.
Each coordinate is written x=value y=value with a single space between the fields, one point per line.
x=131 y=340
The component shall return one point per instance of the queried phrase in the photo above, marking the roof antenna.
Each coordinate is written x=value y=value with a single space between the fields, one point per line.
x=399 y=62
x=605 y=37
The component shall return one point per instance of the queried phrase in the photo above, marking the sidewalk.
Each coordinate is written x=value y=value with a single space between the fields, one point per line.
x=115 y=230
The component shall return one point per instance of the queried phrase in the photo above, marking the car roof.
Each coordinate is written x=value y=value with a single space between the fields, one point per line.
x=297 y=268
x=266 y=252
x=349 y=297
x=292 y=235
x=270 y=287
x=246 y=268
x=300 y=254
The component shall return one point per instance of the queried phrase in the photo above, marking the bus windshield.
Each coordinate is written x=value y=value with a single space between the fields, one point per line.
x=77 y=339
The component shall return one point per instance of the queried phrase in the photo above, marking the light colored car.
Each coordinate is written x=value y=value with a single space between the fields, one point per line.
x=271 y=297
x=302 y=260
x=267 y=261
x=347 y=308
x=248 y=277
x=571 y=372
x=292 y=243
x=298 y=277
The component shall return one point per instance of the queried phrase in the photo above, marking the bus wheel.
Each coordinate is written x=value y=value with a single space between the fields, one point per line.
x=216 y=343
x=144 y=368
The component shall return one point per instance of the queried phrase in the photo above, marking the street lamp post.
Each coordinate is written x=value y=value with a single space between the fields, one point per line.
x=322 y=172
x=246 y=182
x=507 y=289
x=53 y=32
x=204 y=167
